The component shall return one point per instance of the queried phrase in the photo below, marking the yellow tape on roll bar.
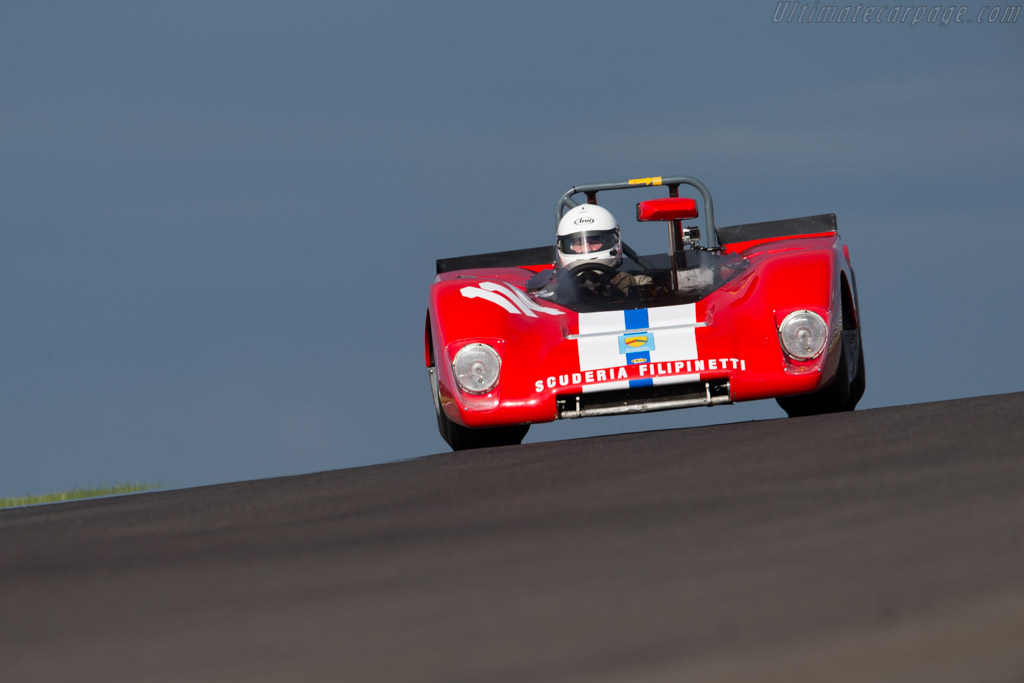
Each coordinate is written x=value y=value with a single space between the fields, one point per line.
x=646 y=181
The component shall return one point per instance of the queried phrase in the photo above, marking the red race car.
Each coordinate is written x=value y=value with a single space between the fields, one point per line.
x=589 y=327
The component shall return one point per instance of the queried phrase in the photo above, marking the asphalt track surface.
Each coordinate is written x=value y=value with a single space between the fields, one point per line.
x=883 y=545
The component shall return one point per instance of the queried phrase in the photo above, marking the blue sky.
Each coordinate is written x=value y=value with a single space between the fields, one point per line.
x=218 y=221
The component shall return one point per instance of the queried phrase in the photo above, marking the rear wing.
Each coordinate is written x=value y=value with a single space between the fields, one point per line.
x=499 y=259
x=790 y=227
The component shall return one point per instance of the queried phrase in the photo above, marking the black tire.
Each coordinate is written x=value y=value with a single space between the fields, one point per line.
x=464 y=438
x=461 y=438
x=844 y=393
x=860 y=379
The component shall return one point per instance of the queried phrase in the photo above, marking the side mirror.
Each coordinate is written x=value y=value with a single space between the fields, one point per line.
x=667 y=209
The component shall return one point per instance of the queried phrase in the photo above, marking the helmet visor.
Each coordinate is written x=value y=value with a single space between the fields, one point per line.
x=588 y=242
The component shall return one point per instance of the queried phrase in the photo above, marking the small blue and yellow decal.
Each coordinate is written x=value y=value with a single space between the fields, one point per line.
x=636 y=342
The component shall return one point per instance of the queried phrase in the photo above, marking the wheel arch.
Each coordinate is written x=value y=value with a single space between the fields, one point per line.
x=851 y=316
x=428 y=343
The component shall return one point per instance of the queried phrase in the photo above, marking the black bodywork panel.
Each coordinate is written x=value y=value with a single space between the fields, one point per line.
x=499 y=259
x=789 y=227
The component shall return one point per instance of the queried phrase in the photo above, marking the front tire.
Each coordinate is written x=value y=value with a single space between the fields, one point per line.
x=844 y=393
x=461 y=438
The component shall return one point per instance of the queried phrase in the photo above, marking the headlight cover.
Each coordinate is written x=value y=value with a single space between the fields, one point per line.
x=803 y=334
x=476 y=368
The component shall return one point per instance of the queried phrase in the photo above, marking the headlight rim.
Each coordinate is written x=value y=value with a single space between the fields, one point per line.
x=798 y=357
x=497 y=372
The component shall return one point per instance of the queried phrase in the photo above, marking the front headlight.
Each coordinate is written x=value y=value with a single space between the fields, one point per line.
x=803 y=334
x=476 y=368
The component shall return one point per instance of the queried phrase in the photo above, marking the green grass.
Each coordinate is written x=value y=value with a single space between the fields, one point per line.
x=77 y=494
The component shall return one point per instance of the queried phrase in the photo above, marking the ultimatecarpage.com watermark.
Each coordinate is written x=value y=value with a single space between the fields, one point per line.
x=791 y=12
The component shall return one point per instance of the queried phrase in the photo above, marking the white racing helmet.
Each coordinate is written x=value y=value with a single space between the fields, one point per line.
x=588 y=233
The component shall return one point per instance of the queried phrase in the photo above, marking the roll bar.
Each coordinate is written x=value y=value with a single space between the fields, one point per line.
x=671 y=182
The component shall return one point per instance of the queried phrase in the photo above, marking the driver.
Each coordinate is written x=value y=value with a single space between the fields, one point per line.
x=588 y=234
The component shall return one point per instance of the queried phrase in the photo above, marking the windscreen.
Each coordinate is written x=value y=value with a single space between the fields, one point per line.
x=649 y=281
